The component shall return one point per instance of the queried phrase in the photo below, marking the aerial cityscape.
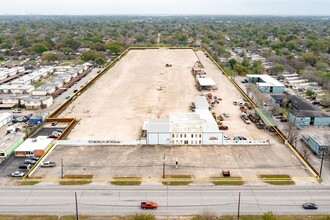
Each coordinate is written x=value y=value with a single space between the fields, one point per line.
x=155 y=110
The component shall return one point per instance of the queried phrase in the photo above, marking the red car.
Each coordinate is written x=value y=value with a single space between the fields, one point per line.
x=149 y=205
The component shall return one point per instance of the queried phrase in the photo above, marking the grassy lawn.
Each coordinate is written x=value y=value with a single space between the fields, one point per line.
x=177 y=180
x=27 y=183
x=226 y=181
x=229 y=71
x=127 y=181
x=81 y=179
x=277 y=179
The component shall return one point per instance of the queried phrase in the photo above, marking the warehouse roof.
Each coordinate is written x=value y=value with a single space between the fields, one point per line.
x=266 y=118
x=158 y=125
x=206 y=81
x=201 y=102
x=4 y=116
x=309 y=113
x=320 y=140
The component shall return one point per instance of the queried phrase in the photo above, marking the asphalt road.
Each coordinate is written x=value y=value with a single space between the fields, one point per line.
x=109 y=200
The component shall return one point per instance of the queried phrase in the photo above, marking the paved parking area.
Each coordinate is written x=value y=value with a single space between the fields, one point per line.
x=146 y=161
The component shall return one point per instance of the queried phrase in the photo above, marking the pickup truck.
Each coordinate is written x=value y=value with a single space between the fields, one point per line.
x=48 y=164
x=148 y=205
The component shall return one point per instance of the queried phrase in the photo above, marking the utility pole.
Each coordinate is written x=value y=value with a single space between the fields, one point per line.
x=324 y=151
x=62 y=168
x=239 y=204
x=164 y=166
x=75 y=196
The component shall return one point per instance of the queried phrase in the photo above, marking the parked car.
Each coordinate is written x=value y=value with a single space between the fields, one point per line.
x=148 y=205
x=226 y=115
x=76 y=90
x=67 y=97
x=259 y=126
x=226 y=137
x=17 y=174
x=54 y=123
x=234 y=103
x=24 y=166
x=239 y=138
x=284 y=120
x=309 y=205
x=29 y=161
x=34 y=158
x=223 y=127
x=245 y=119
x=17 y=111
x=244 y=81
x=48 y=164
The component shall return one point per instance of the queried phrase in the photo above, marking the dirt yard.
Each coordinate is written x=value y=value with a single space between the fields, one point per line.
x=139 y=87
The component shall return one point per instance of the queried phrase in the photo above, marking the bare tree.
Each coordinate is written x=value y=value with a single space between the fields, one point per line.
x=292 y=133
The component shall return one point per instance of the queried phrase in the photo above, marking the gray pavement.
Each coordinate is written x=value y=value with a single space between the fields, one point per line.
x=171 y=200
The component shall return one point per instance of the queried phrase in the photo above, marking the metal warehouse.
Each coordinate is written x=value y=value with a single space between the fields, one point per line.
x=317 y=143
x=266 y=83
x=193 y=128
x=302 y=113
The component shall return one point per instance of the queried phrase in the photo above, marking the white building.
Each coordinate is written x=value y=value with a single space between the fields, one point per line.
x=37 y=102
x=16 y=89
x=193 y=128
x=5 y=118
x=33 y=146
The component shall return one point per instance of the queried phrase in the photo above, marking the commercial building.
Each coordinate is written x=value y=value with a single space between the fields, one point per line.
x=33 y=146
x=266 y=83
x=317 y=143
x=5 y=118
x=301 y=112
x=180 y=128
x=37 y=102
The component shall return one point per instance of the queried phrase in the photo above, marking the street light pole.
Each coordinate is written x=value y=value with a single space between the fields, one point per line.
x=239 y=205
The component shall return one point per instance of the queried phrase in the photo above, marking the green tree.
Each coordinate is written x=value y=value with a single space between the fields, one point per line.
x=258 y=67
x=232 y=63
x=310 y=92
x=114 y=48
x=100 y=61
x=49 y=56
x=240 y=69
x=92 y=55
x=2 y=58
x=246 y=62
x=39 y=48
x=279 y=68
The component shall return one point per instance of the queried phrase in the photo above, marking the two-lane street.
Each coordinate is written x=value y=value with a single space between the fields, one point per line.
x=107 y=200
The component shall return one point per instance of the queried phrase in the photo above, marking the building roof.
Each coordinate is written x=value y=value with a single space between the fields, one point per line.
x=321 y=140
x=206 y=81
x=201 y=102
x=309 y=113
x=4 y=116
x=266 y=118
x=266 y=80
x=297 y=102
x=158 y=125
x=31 y=144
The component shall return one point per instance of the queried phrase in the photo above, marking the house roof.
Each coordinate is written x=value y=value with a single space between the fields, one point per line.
x=267 y=80
x=309 y=113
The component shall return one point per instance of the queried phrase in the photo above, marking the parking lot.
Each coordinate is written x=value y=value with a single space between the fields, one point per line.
x=203 y=161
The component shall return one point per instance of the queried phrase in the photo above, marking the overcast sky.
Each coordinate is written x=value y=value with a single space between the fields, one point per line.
x=161 y=7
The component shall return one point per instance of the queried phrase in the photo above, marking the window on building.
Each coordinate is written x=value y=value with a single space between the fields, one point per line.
x=195 y=135
x=172 y=135
x=192 y=135
x=200 y=135
x=200 y=142
x=180 y=135
x=191 y=142
x=185 y=135
x=177 y=135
